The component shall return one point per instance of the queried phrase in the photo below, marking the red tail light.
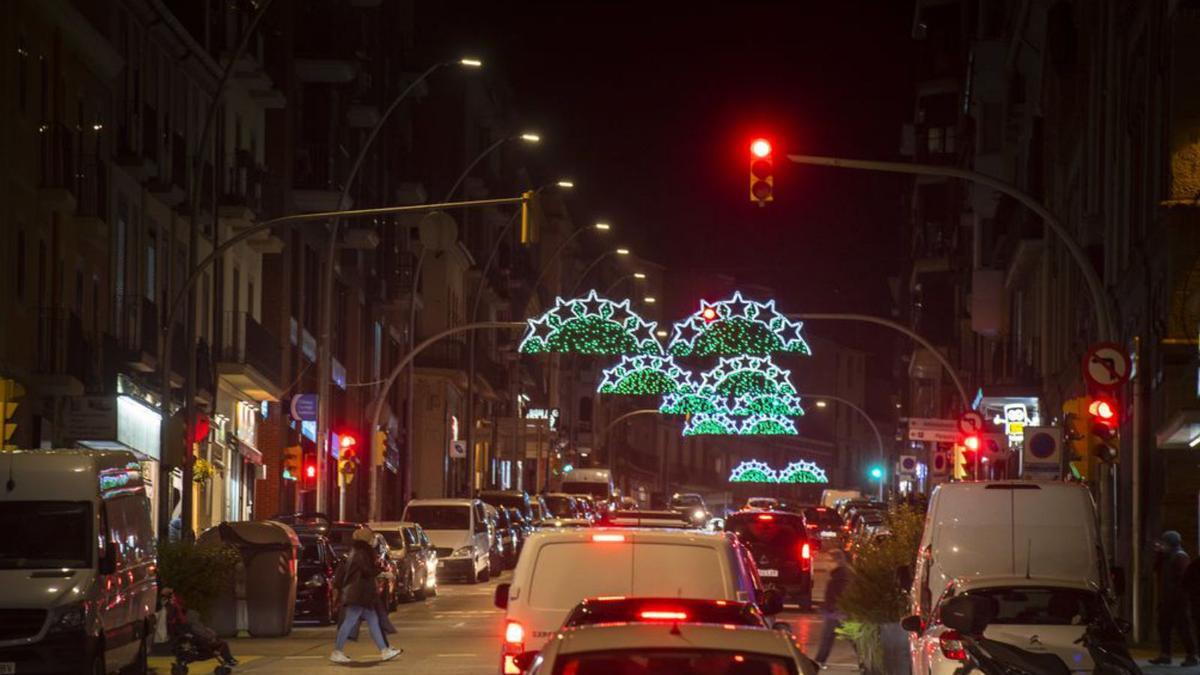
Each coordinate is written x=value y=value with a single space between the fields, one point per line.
x=514 y=644
x=952 y=646
x=663 y=615
x=766 y=516
x=514 y=633
x=806 y=551
x=608 y=537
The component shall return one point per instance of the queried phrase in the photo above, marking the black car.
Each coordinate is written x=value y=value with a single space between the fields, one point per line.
x=506 y=530
x=523 y=527
x=314 y=579
x=561 y=505
x=513 y=499
x=781 y=548
x=823 y=523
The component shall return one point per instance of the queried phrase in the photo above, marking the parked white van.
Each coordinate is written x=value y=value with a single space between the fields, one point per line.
x=558 y=569
x=595 y=483
x=458 y=528
x=77 y=562
x=1001 y=535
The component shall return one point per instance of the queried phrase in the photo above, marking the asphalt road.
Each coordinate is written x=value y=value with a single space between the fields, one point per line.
x=456 y=633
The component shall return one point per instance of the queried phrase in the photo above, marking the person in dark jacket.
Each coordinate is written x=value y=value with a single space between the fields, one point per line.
x=355 y=583
x=838 y=579
x=1173 y=600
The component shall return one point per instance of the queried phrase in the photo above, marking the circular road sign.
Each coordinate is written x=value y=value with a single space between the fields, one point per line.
x=1042 y=445
x=971 y=422
x=1106 y=365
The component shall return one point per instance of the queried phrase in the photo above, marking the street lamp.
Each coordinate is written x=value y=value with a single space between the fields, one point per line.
x=822 y=404
x=568 y=184
x=590 y=267
x=649 y=299
x=528 y=137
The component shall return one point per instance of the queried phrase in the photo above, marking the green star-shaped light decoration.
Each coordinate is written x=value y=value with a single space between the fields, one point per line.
x=590 y=325
x=753 y=471
x=710 y=424
x=767 y=425
x=645 y=375
x=803 y=471
x=747 y=375
x=690 y=403
x=780 y=405
x=737 y=326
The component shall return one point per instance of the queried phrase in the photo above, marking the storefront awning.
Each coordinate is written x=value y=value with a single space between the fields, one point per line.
x=1182 y=430
x=118 y=422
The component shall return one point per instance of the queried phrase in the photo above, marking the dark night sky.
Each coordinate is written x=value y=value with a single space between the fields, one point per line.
x=651 y=107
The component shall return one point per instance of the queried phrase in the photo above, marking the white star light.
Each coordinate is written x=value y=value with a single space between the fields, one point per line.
x=540 y=329
x=610 y=382
x=762 y=314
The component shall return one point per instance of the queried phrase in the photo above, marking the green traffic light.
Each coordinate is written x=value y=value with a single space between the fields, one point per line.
x=876 y=472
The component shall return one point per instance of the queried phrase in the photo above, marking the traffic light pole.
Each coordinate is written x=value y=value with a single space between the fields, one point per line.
x=1104 y=323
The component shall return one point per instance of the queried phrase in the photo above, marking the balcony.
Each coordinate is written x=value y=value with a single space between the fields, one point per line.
x=241 y=191
x=66 y=360
x=250 y=358
x=170 y=190
x=57 y=181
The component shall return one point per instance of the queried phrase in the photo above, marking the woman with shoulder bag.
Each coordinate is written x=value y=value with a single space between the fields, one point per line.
x=355 y=583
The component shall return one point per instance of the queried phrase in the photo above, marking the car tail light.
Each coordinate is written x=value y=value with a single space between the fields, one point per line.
x=766 y=516
x=662 y=615
x=514 y=644
x=952 y=646
x=806 y=551
x=514 y=633
x=608 y=537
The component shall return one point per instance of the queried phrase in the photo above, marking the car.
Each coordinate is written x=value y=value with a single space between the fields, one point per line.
x=620 y=609
x=340 y=534
x=597 y=484
x=517 y=499
x=499 y=541
x=559 y=569
x=628 y=504
x=388 y=579
x=779 y=544
x=538 y=504
x=559 y=523
x=409 y=559
x=459 y=530
x=78 y=568
x=670 y=519
x=314 y=579
x=523 y=527
x=510 y=536
x=1049 y=613
x=431 y=556
x=670 y=647
x=587 y=508
x=762 y=504
x=691 y=504
x=561 y=505
x=824 y=523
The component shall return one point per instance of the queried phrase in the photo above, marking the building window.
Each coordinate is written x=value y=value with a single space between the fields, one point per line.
x=151 y=261
x=22 y=75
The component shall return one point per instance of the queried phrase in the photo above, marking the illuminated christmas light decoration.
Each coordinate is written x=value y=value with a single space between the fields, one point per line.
x=743 y=375
x=689 y=403
x=644 y=375
x=590 y=325
x=756 y=471
x=803 y=471
x=753 y=471
x=737 y=326
x=711 y=424
x=777 y=405
x=767 y=425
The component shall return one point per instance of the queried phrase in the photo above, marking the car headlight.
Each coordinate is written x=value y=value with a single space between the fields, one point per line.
x=315 y=581
x=464 y=552
x=698 y=514
x=68 y=618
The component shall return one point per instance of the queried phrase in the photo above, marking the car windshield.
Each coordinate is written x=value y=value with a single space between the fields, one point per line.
x=509 y=501
x=686 y=501
x=46 y=534
x=597 y=490
x=1042 y=606
x=665 y=609
x=394 y=538
x=440 y=517
x=310 y=551
x=676 y=661
x=778 y=534
x=560 y=506
x=825 y=518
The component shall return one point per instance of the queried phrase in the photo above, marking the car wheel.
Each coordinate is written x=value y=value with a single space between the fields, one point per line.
x=486 y=575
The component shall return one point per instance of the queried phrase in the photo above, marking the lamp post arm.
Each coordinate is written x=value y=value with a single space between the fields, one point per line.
x=612 y=465
x=617 y=283
x=853 y=406
x=1104 y=322
x=588 y=270
x=866 y=318
x=479 y=158
x=554 y=256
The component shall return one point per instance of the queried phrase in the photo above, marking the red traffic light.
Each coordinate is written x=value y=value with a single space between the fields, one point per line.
x=709 y=313
x=762 y=172
x=971 y=442
x=761 y=147
x=1103 y=410
x=310 y=471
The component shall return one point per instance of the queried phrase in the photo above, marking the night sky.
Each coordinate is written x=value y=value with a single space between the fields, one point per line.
x=651 y=107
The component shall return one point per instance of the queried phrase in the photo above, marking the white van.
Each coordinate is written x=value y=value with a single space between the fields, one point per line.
x=558 y=569
x=1039 y=531
x=595 y=483
x=77 y=562
x=830 y=498
x=458 y=528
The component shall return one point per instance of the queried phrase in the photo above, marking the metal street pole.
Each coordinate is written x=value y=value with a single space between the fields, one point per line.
x=587 y=270
x=325 y=349
x=598 y=227
x=865 y=416
x=866 y=318
x=163 y=479
x=1104 y=322
x=635 y=275
x=612 y=464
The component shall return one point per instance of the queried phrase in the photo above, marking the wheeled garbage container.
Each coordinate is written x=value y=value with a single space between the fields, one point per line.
x=262 y=597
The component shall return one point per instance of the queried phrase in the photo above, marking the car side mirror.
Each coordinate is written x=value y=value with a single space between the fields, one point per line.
x=913 y=624
x=1118 y=579
x=501 y=597
x=108 y=563
x=525 y=660
x=772 y=602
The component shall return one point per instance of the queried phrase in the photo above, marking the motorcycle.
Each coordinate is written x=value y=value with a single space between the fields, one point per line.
x=970 y=615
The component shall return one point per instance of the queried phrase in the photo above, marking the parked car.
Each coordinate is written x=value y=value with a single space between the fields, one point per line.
x=459 y=529
x=523 y=527
x=388 y=579
x=78 y=581
x=508 y=534
x=431 y=556
x=517 y=499
x=540 y=512
x=314 y=579
x=585 y=506
x=409 y=559
x=562 y=568
x=779 y=543
x=561 y=505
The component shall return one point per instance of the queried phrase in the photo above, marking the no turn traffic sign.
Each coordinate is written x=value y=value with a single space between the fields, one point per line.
x=971 y=422
x=1106 y=365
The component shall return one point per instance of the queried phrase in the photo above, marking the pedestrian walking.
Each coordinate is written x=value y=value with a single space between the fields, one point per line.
x=355 y=585
x=1173 y=600
x=838 y=579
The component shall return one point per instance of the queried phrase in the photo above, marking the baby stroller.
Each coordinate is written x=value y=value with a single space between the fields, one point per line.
x=189 y=646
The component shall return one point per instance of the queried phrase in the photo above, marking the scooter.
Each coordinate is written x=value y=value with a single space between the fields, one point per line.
x=970 y=614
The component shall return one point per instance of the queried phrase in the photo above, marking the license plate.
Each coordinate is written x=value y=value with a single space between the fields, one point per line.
x=8 y=668
x=768 y=573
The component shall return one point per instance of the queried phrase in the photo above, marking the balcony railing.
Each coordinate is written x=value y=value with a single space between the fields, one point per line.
x=243 y=183
x=91 y=190
x=58 y=156
x=246 y=341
